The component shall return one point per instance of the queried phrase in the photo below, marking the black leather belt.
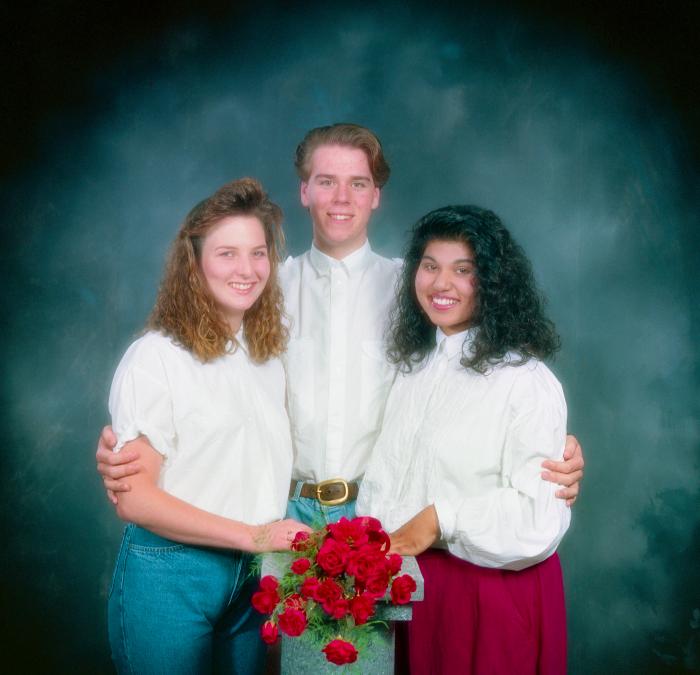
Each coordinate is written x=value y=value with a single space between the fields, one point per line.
x=328 y=492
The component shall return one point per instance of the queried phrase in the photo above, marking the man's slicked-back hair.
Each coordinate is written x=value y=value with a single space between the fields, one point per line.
x=349 y=135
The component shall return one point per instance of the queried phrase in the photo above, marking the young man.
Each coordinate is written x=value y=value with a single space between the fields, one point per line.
x=338 y=296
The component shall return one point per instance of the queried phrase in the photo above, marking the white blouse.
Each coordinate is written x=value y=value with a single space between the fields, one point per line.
x=221 y=427
x=472 y=445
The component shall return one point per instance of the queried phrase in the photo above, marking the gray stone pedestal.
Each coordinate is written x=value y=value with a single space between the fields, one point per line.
x=299 y=657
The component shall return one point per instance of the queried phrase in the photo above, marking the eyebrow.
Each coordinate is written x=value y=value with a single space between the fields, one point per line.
x=235 y=248
x=330 y=175
x=454 y=262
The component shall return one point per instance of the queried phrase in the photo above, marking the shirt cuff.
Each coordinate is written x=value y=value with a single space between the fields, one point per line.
x=156 y=439
x=446 y=518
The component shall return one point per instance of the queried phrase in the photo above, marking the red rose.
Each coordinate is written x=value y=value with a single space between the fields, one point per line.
x=336 y=608
x=377 y=583
x=269 y=583
x=350 y=532
x=394 y=563
x=327 y=591
x=402 y=588
x=361 y=608
x=309 y=586
x=368 y=523
x=300 y=541
x=340 y=652
x=300 y=566
x=269 y=633
x=292 y=621
x=379 y=539
x=364 y=562
x=265 y=600
x=332 y=557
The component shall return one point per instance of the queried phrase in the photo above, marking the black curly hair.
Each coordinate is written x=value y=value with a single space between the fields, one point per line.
x=509 y=311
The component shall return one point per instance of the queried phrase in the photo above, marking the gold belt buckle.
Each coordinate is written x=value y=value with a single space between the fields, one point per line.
x=332 y=502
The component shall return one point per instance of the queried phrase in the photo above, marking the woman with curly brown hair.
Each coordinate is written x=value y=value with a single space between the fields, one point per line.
x=455 y=473
x=201 y=396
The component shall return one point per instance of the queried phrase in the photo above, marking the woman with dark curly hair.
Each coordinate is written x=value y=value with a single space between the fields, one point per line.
x=456 y=470
x=201 y=397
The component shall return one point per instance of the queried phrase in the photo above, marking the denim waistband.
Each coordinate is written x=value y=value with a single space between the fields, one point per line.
x=135 y=535
x=143 y=537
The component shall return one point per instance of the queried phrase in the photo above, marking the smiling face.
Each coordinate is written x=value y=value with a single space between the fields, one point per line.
x=235 y=265
x=446 y=285
x=340 y=195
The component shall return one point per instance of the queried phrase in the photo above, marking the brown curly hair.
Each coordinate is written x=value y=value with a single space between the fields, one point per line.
x=185 y=309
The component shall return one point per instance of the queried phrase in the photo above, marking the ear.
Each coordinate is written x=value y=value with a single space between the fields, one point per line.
x=303 y=188
x=376 y=197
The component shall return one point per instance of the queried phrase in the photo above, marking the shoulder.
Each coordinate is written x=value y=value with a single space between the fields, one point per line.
x=291 y=270
x=389 y=267
x=393 y=264
x=533 y=384
x=154 y=342
x=151 y=351
x=293 y=265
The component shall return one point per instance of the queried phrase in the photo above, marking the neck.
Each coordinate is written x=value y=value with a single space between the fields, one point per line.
x=340 y=251
x=234 y=323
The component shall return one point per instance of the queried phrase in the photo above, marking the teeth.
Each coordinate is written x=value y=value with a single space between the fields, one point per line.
x=339 y=216
x=444 y=302
x=241 y=287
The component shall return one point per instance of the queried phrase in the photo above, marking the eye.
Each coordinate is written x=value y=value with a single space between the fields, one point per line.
x=325 y=182
x=464 y=270
x=429 y=267
x=260 y=254
x=359 y=184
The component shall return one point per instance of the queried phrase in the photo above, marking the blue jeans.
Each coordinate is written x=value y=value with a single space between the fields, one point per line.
x=179 y=609
x=311 y=512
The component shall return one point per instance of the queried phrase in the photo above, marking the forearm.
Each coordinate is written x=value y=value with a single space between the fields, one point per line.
x=152 y=508
x=505 y=528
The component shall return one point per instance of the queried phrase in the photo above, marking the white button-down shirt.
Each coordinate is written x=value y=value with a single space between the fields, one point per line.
x=337 y=374
x=472 y=445
x=221 y=427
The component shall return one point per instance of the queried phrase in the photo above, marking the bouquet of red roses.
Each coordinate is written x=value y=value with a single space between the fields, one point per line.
x=336 y=576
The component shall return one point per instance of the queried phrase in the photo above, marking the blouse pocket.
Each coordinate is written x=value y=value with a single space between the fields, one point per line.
x=299 y=363
x=376 y=376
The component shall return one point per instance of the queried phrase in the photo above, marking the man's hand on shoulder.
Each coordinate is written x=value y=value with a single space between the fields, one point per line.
x=115 y=466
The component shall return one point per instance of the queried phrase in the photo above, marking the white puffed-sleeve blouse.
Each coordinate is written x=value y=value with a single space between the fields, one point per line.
x=472 y=445
x=221 y=426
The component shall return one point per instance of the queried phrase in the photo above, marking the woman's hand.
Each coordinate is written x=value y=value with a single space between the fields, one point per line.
x=418 y=534
x=276 y=536
x=567 y=473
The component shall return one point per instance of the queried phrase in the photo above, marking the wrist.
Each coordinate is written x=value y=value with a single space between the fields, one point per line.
x=250 y=536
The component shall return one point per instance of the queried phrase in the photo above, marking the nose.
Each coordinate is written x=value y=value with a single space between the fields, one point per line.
x=243 y=266
x=341 y=193
x=441 y=281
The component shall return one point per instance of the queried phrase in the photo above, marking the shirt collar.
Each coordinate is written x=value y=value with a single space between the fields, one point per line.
x=240 y=341
x=356 y=260
x=457 y=344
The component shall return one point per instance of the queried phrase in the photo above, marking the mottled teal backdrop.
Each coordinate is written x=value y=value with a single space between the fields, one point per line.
x=589 y=166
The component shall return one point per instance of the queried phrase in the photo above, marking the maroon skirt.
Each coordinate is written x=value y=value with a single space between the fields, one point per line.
x=478 y=621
